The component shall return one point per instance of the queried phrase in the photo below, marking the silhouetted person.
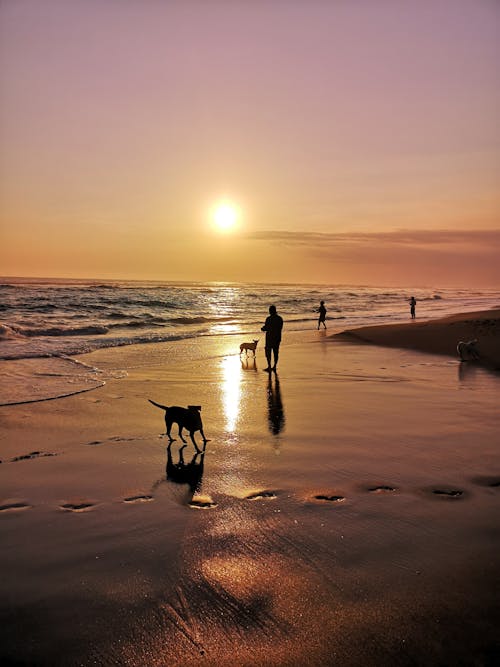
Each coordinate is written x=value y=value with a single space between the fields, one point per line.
x=322 y=314
x=413 y=303
x=272 y=327
x=275 y=413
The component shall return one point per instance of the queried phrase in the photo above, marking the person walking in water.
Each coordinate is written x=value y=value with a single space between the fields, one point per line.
x=413 y=303
x=322 y=314
x=272 y=326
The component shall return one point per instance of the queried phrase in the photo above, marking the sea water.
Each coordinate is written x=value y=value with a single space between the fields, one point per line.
x=45 y=324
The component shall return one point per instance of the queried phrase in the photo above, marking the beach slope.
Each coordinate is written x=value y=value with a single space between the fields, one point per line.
x=438 y=336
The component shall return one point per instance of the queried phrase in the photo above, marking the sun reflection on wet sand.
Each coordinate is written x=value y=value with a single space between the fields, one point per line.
x=231 y=390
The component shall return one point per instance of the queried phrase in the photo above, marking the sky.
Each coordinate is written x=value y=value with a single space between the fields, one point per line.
x=358 y=140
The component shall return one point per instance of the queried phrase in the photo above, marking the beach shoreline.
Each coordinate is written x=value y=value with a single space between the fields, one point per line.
x=344 y=512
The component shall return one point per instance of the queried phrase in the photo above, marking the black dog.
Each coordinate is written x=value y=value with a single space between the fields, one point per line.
x=186 y=418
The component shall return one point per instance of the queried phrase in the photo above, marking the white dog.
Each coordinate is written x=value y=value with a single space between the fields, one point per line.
x=468 y=350
x=249 y=346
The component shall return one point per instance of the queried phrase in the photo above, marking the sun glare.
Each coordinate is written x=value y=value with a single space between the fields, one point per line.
x=225 y=216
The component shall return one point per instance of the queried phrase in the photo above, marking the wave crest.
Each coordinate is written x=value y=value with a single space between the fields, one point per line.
x=57 y=331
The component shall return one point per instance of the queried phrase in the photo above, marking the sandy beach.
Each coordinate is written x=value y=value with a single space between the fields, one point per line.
x=439 y=336
x=344 y=511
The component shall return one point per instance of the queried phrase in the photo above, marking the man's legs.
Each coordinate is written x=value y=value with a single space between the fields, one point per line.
x=276 y=350
x=268 y=357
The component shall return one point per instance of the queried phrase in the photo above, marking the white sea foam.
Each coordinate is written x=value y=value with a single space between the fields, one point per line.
x=28 y=380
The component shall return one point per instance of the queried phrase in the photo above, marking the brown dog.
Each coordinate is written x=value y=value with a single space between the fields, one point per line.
x=186 y=418
x=249 y=346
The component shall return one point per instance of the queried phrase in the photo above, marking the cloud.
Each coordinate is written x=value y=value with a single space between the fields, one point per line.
x=421 y=238
x=401 y=257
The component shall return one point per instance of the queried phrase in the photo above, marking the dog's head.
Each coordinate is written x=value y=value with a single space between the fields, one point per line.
x=195 y=408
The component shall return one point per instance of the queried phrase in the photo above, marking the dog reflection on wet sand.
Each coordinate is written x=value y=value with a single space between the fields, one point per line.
x=187 y=477
x=248 y=364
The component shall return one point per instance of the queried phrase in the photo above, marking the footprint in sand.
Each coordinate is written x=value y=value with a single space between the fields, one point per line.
x=330 y=499
x=77 y=507
x=31 y=455
x=120 y=438
x=116 y=438
x=14 y=507
x=202 y=504
x=383 y=488
x=448 y=493
x=138 y=499
x=490 y=482
x=259 y=495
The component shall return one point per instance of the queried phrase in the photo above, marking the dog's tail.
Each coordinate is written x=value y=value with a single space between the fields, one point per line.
x=163 y=407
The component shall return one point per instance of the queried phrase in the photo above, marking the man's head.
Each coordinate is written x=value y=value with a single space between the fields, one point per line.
x=272 y=310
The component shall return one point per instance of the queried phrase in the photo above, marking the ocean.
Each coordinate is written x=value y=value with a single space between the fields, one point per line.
x=45 y=324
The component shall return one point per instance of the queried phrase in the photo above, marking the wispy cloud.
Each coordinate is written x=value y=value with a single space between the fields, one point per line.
x=402 y=257
x=421 y=238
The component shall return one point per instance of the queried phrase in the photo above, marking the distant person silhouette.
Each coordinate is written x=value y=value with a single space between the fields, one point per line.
x=273 y=326
x=322 y=314
x=413 y=303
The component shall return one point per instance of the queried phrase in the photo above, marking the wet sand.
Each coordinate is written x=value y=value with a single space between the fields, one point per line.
x=347 y=512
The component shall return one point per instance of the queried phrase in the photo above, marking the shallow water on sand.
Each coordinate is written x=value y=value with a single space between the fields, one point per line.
x=58 y=320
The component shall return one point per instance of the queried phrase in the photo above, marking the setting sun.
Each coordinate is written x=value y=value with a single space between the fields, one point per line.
x=225 y=216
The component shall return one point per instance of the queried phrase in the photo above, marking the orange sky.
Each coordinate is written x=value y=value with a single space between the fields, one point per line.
x=360 y=140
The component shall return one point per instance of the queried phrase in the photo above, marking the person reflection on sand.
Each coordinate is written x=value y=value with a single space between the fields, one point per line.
x=188 y=475
x=275 y=412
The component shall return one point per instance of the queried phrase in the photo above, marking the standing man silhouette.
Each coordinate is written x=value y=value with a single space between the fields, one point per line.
x=322 y=314
x=413 y=303
x=273 y=326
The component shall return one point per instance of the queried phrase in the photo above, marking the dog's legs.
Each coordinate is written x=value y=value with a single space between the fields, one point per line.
x=191 y=435
x=169 y=426
x=180 y=433
x=181 y=454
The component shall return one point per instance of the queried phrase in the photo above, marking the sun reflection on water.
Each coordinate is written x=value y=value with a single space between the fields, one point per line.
x=226 y=328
